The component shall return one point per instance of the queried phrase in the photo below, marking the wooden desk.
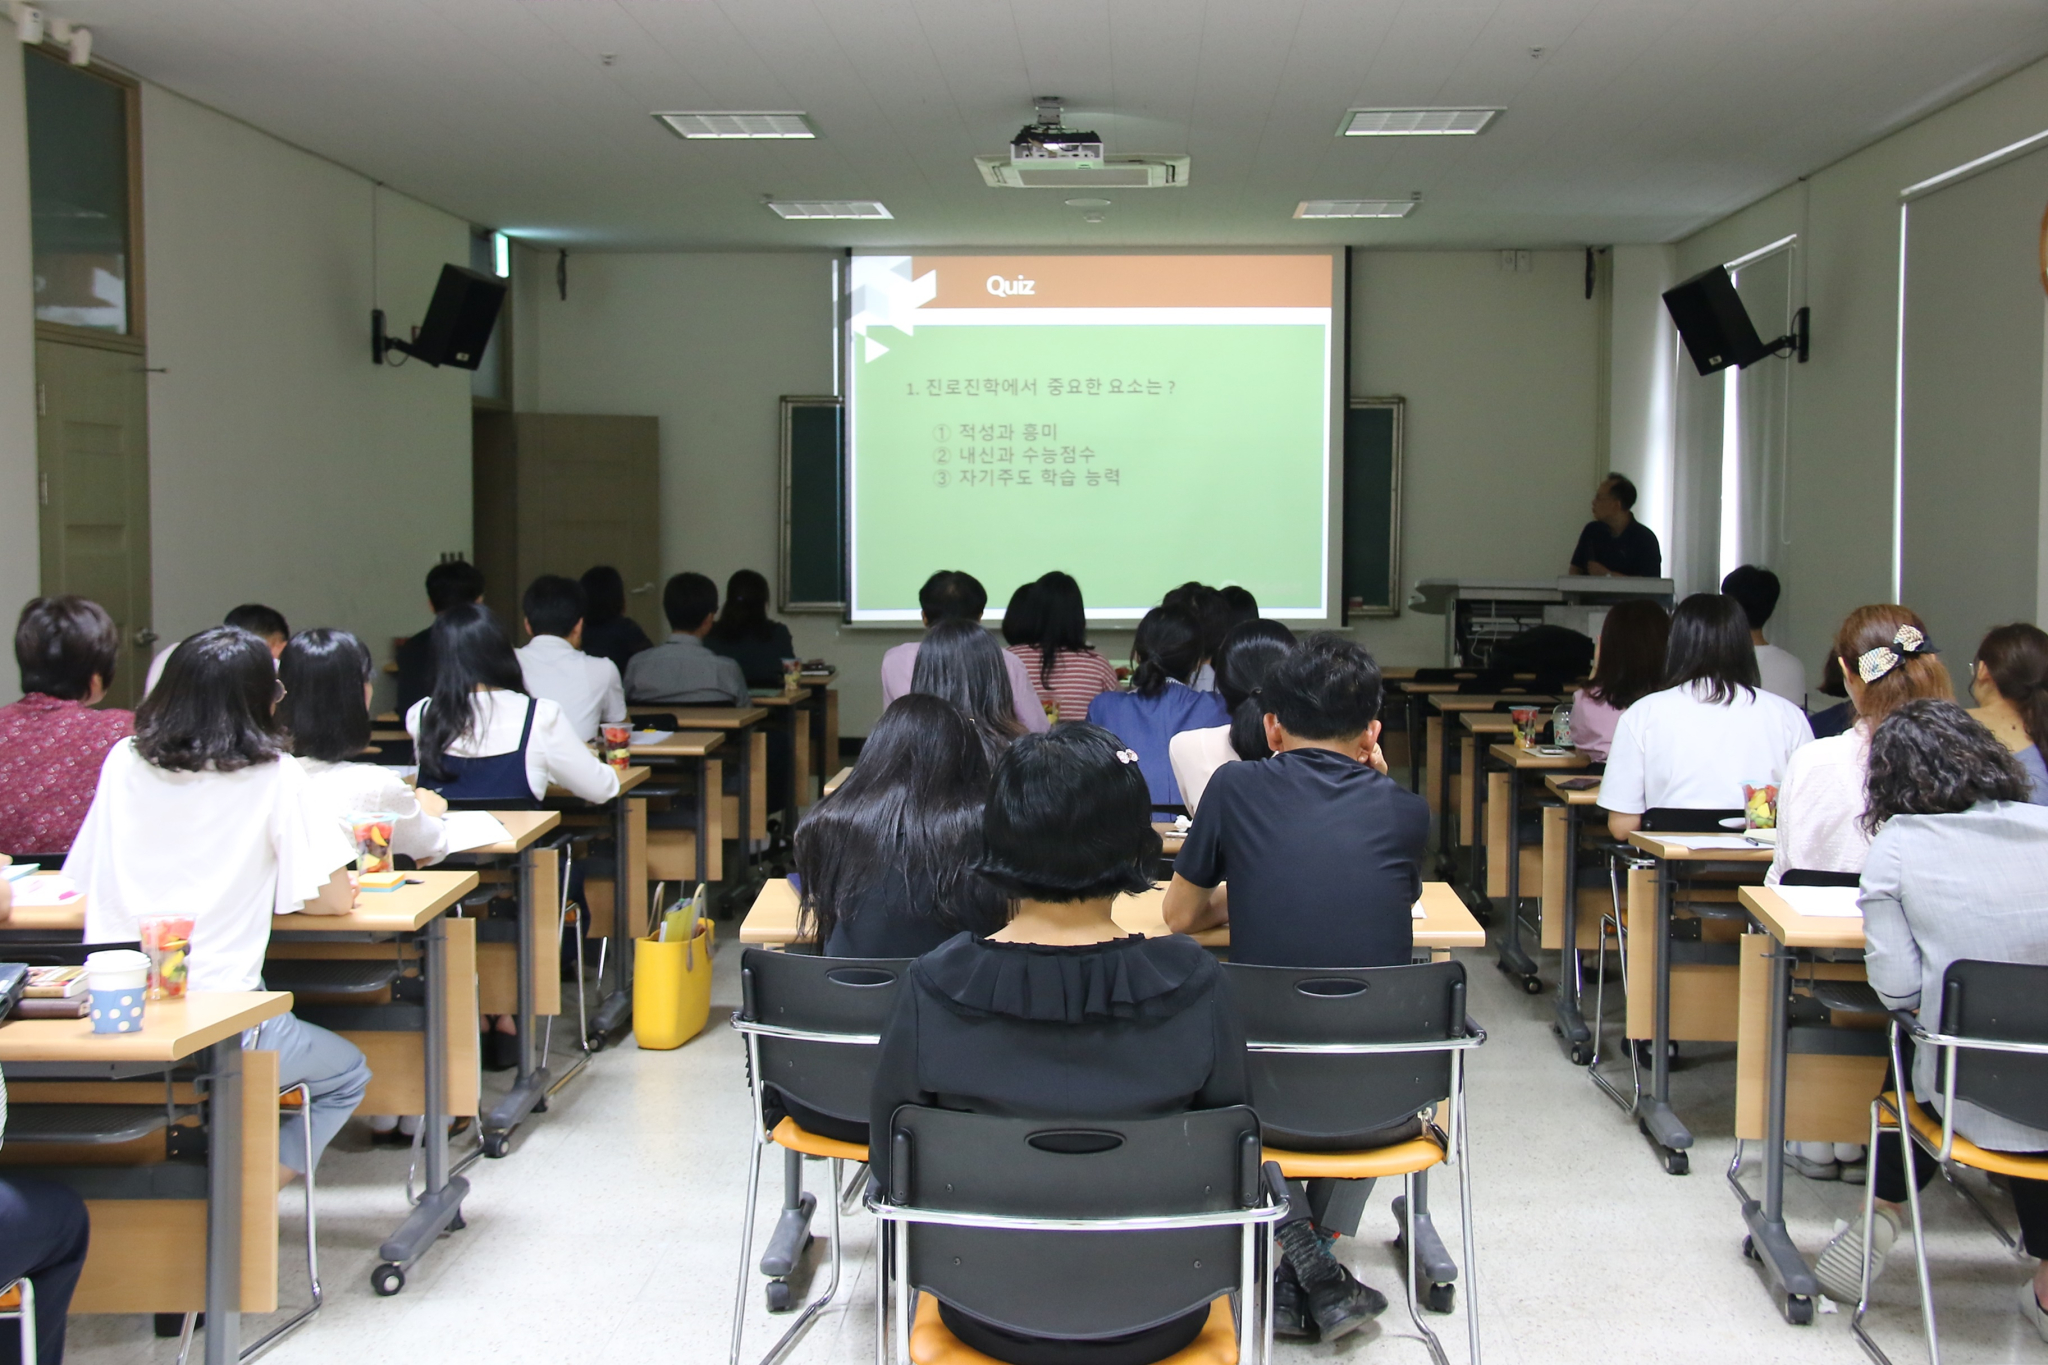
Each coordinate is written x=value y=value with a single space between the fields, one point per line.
x=1478 y=729
x=146 y=1256
x=629 y=891
x=739 y=724
x=1446 y=923
x=837 y=780
x=1562 y=907
x=1447 y=703
x=1170 y=839
x=696 y=854
x=1780 y=1094
x=522 y=978
x=1516 y=761
x=1650 y=978
x=797 y=707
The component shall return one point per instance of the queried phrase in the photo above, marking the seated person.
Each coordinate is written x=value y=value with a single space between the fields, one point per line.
x=680 y=671
x=885 y=860
x=1955 y=871
x=326 y=711
x=1836 y=719
x=44 y=1234
x=204 y=813
x=52 y=741
x=1614 y=543
x=950 y=595
x=1323 y=853
x=254 y=617
x=745 y=634
x=1020 y=623
x=1206 y=605
x=2009 y=682
x=451 y=583
x=1628 y=665
x=1246 y=656
x=1779 y=670
x=1239 y=606
x=1061 y=1014
x=553 y=663
x=1711 y=729
x=1064 y=668
x=1164 y=655
x=608 y=633
x=961 y=663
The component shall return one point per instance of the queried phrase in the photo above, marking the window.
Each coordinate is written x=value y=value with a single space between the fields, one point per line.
x=79 y=148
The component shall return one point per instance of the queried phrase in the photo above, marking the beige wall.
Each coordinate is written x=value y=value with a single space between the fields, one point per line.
x=19 y=570
x=285 y=467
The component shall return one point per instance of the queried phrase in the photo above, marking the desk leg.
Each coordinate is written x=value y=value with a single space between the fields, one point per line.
x=705 y=798
x=1655 y=1117
x=617 y=1006
x=1792 y=1281
x=799 y=739
x=440 y=1206
x=1571 y=1023
x=530 y=1087
x=745 y=736
x=224 y=1203
x=1410 y=700
x=1513 y=960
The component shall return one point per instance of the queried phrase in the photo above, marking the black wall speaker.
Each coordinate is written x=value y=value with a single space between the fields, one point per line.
x=458 y=324
x=1712 y=321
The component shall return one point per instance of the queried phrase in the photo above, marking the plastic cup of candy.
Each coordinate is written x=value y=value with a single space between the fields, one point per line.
x=168 y=941
x=618 y=743
x=373 y=841
x=1760 y=805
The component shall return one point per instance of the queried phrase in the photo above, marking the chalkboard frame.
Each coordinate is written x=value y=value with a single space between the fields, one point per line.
x=786 y=598
x=1391 y=606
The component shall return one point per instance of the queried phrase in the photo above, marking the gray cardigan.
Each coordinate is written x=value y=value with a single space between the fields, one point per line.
x=1937 y=888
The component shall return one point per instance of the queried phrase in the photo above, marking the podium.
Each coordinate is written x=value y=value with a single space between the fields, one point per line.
x=1481 y=612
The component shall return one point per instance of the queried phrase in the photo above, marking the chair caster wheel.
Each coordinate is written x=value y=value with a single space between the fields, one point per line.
x=778 y=1296
x=1749 y=1249
x=1582 y=1054
x=1799 y=1310
x=458 y=1222
x=1677 y=1163
x=1533 y=985
x=1439 y=1298
x=497 y=1144
x=540 y=1106
x=387 y=1279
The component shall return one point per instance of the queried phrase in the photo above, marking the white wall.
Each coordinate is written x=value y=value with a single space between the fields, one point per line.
x=284 y=467
x=1641 y=351
x=20 y=572
x=1838 y=509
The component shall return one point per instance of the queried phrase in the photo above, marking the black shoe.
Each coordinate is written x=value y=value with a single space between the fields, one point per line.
x=501 y=1051
x=390 y=1137
x=1337 y=1302
x=1291 y=1321
x=172 y=1325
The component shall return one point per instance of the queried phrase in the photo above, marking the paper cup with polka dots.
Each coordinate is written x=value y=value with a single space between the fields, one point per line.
x=118 y=981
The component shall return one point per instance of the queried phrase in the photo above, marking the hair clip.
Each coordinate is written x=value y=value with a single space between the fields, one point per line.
x=1127 y=756
x=1873 y=664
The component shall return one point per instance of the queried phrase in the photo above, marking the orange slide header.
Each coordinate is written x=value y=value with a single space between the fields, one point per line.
x=1129 y=281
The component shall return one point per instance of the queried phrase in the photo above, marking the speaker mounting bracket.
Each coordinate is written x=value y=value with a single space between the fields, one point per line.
x=1793 y=343
x=382 y=344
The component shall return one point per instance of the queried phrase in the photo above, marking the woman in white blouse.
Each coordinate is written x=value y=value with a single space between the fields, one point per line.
x=1693 y=745
x=203 y=812
x=326 y=709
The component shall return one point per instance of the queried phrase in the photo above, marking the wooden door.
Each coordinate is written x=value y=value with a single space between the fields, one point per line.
x=92 y=458
x=583 y=490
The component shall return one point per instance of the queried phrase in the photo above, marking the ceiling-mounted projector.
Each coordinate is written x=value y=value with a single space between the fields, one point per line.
x=1048 y=155
x=1050 y=140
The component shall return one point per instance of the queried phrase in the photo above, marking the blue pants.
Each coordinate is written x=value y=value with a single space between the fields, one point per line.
x=43 y=1236
x=334 y=1071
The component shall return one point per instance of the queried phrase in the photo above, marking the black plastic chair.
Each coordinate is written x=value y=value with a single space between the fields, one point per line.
x=1336 y=1054
x=1992 y=1046
x=811 y=1025
x=1078 y=1229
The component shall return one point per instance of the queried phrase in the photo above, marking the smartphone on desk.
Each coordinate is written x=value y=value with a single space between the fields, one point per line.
x=1579 y=784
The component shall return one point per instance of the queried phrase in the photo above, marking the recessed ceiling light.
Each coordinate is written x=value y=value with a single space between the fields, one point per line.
x=1354 y=208
x=1087 y=203
x=830 y=208
x=724 y=126
x=1415 y=122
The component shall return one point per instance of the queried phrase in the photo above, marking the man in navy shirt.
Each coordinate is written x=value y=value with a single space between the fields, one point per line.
x=1323 y=853
x=1614 y=543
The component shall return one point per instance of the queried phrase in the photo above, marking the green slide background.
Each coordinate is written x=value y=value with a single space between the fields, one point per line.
x=1220 y=478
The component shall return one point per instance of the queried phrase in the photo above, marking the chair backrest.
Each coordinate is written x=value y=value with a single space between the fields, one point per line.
x=1680 y=820
x=1320 y=1101
x=1065 y=1284
x=57 y=952
x=1807 y=876
x=2005 y=1002
x=821 y=996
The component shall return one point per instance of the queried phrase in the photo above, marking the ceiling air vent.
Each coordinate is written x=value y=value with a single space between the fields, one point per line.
x=829 y=208
x=1115 y=173
x=723 y=126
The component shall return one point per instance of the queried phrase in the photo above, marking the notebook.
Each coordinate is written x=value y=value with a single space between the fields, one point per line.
x=469 y=829
x=1838 y=902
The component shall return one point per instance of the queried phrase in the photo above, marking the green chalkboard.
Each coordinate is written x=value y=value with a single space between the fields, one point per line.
x=1372 y=507
x=813 y=505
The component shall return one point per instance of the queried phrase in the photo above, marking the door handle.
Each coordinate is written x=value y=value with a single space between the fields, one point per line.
x=145 y=637
x=644 y=587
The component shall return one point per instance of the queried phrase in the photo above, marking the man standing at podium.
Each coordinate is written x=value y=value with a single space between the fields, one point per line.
x=1614 y=544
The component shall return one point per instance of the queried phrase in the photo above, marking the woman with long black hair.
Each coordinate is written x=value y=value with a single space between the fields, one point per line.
x=745 y=634
x=884 y=861
x=1247 y=654
x=1164 y=656
x=1065 y=669
x=961 y=662
x=608 y=633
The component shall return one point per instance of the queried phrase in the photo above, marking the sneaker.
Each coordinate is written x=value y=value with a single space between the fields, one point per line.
x=1291 y=1321
x=1839 y=1267
x=1814 y=1160
x=1846 y=1152
x=1855 y=1172
x=2031 y=1310
x=1337 y=1302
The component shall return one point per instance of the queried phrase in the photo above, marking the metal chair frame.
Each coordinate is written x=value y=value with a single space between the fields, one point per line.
x=1891 y=1105
x=24 y=1314
x=1619 y=856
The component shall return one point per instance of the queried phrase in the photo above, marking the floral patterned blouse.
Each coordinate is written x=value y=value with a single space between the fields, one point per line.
x=50 y=756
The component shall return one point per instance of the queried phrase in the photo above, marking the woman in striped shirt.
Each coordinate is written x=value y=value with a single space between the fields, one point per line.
x=1066 y=672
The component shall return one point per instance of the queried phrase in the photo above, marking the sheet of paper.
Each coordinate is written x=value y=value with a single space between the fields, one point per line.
x=1835 y=902
x=1415 y=911
x=55 y=889
x=469 y=829
x=16 y=871
x=1700 y=841
x=652 y=736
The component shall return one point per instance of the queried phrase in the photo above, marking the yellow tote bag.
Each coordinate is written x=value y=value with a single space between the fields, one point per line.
x=671 y=989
